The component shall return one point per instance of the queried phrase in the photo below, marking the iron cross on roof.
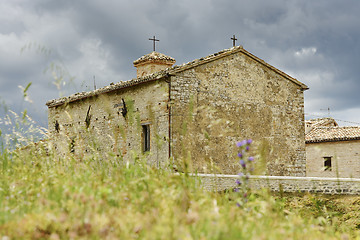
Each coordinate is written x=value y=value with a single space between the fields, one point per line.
x=154 y=40
x=234 y=40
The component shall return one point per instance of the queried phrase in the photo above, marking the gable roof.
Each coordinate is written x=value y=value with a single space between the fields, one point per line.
x=227 y=52
x=170 y=71
x=332 y=134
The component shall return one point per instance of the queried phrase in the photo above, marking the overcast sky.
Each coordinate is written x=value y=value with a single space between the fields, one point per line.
x=316 y=42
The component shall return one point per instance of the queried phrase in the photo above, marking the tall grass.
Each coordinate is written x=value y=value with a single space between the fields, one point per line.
x=46 y=198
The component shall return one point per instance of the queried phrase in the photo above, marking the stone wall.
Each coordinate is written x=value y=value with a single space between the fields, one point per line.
x=96 y=126
x=345 y=159
x=147 y=69
x=218 y=103
x=213 y=182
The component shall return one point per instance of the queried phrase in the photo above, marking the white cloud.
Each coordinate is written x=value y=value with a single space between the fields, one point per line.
x=98 y=60
x=306 y=52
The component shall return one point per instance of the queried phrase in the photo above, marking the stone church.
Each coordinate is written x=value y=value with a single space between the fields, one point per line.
x=189 y=115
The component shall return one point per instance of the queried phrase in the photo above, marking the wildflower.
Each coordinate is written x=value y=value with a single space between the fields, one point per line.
x=244 y=175
x=242 y=163
x=240 y=144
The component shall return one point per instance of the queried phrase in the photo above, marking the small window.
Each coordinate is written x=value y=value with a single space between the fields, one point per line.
x=72 y=145
x=57 y=126
x=146 y=137
x=327 y=163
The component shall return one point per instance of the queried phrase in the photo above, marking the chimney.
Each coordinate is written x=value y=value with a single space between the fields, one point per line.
x=151 y=63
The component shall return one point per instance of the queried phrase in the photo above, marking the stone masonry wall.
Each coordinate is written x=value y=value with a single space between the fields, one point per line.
x=345 y=159
x=351 y=186
x=220 y=102
x=96 y=125
x=147 y=69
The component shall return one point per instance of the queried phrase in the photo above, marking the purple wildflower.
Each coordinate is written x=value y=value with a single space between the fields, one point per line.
x=244 y=175
x=240 y=144
x=242 y=163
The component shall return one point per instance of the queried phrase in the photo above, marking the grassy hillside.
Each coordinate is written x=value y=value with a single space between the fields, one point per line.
x=43 y=197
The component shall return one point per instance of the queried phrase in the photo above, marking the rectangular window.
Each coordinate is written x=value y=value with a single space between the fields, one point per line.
x=327 y=163
x=146 y=137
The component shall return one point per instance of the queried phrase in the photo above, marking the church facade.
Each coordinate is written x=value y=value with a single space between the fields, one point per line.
x=190 y=115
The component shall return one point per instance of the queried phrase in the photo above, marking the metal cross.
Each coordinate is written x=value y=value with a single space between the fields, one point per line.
x=154 y=40
x=234 y=40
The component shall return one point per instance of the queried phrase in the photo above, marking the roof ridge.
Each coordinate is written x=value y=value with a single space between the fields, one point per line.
x=208 y=57
x=321 y=118
x=335 y=127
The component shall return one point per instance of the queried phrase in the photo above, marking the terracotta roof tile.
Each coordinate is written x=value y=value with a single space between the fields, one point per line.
x=330 y=134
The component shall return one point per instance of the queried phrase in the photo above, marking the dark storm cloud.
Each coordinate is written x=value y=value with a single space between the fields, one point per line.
x=314 y=41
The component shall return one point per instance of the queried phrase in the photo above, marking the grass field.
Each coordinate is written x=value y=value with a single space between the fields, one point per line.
x=42 y=197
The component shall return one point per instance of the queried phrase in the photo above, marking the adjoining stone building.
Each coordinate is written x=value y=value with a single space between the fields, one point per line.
x=193 y=113
x=332 y=151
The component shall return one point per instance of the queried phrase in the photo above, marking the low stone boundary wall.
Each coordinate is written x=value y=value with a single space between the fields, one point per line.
x=217 y=182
